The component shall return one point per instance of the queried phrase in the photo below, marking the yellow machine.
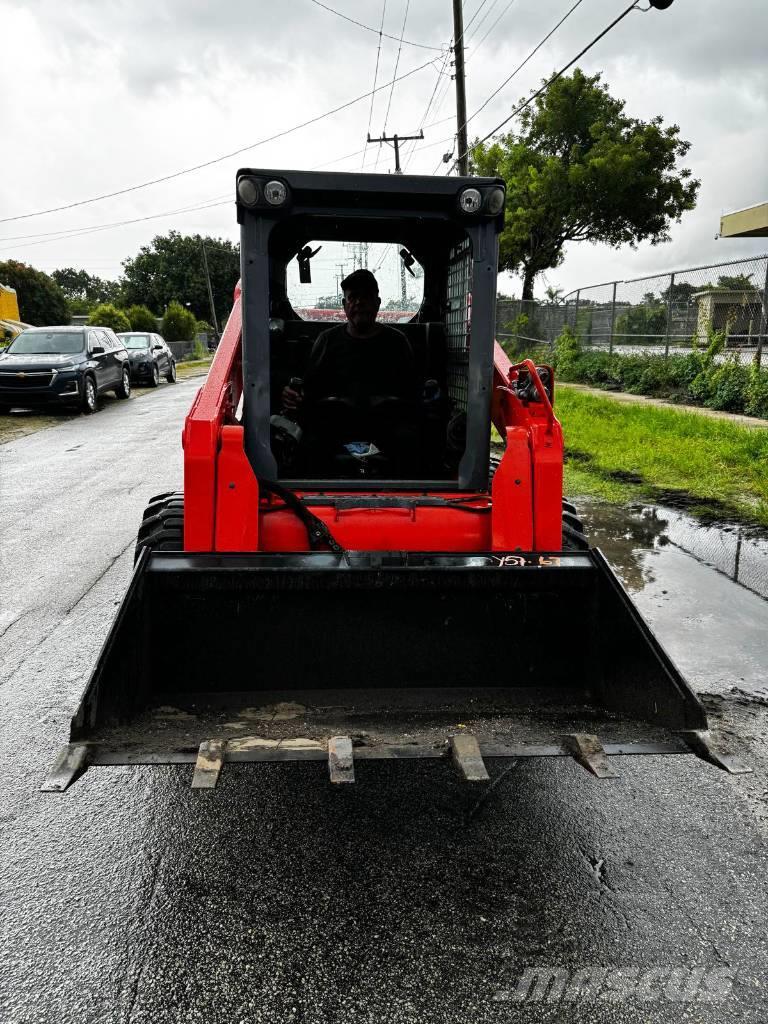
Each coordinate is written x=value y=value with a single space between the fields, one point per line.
x=10 y=321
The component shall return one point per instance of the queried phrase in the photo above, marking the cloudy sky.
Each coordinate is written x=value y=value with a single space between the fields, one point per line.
x=100 y=97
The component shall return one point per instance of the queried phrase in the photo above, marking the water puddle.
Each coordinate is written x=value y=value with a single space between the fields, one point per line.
x=625 y=534
x=702 y=588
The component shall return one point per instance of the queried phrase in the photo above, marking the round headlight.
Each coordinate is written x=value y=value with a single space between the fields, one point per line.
x=494 y=202
x=248 y=190
x=275 y=193
x=470 y=200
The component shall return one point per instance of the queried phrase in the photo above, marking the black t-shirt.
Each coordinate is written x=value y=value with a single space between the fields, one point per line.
x=359 y=369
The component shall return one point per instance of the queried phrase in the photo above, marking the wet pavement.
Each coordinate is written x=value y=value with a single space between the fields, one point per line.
x=408 y=897
x=702 y=588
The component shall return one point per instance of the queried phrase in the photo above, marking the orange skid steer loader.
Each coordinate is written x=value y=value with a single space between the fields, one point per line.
x=361 y=577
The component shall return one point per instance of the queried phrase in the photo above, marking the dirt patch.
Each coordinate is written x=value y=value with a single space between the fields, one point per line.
x=14 y=425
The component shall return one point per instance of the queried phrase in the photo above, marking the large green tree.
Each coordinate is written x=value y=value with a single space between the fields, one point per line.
x=79 y=285
x=172 y=268
x=41 y=301
x=579 y=169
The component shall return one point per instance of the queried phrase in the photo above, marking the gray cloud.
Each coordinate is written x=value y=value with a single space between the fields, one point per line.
x=166 y=84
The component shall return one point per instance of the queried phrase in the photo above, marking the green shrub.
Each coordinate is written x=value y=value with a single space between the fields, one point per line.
x=684 y=369
x=728 y=384
x=178 y=323
x=757 y=393
x=567 y=353
x=142 y=319
x=107 y=315
x=700 y=389
x=596 y=368
x=199 y=351
x=629 y=372
x=203 y=327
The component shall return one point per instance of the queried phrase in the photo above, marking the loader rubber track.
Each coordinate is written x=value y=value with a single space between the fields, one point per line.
x=162 y=527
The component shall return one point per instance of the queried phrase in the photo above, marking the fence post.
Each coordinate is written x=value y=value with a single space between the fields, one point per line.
x=576 y=314
x=763 y=321
x=669 y=314
x=613 y=318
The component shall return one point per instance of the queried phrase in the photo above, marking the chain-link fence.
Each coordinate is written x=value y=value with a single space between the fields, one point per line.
x=667 y=312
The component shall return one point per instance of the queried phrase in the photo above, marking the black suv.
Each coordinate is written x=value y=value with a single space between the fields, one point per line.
x=63 y=366
x=150 y=357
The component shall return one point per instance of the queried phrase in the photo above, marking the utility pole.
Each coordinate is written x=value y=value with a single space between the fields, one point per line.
x=462 y=163
x=210 y=289
x=397 y=139
x=342 y=273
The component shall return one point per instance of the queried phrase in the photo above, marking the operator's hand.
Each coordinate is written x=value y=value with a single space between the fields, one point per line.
x=291 y=399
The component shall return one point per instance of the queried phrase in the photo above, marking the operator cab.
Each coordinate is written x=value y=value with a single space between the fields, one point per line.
x=432 y=243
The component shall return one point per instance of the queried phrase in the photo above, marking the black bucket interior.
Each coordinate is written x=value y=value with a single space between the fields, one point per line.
x=194 y=627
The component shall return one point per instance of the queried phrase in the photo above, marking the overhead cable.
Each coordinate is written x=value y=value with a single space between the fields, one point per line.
x=225 y=156
x=65 y=234
x=532 y=54
x=549 y=82
x=493 y=26
x=369 y=28
x=375 y=76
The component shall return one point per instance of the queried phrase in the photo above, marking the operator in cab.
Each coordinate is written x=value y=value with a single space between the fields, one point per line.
x=359 y=399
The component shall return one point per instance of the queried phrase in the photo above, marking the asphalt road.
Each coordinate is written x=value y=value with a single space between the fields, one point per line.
x=407 y=897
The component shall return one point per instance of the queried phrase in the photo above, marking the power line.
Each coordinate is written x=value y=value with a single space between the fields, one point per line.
x=369 y=28
x=397 y=62
x=493 y=26
x=425 y=115
x=64 y=235
x=477 y=11
x=375 y=76
x=225 y=156
x=554 y=78
x=202 y=204
x=479 y=24
x=532 y=54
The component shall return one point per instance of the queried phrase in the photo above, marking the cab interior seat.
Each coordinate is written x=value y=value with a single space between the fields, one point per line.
x=291 y=345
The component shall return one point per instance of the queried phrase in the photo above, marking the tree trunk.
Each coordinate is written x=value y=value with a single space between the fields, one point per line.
x=528 y=279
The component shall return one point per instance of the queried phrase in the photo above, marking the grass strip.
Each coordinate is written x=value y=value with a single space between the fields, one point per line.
x=619 y=452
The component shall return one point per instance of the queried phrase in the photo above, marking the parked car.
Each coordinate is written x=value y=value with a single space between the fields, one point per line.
x=63 y=366
x=150 y=357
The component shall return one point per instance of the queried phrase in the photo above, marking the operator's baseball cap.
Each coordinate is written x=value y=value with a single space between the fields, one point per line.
x=360 y=281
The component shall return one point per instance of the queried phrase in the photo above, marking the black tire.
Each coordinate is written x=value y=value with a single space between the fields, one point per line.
x=90 y=399
x=573 y=521
x=164 y=494
x=172 y=502
x=123 y=389
x=171 y=375
x=155 y=379
x=574 y=540
x=162 y=528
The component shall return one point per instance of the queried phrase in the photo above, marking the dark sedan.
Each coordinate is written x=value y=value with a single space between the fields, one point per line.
x=150 y=358
x=63 y=366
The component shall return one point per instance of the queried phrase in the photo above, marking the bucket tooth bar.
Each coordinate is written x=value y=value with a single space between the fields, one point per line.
x=465 y=753
x=589 y=752
x=700 y=742
x=341 y=764
x=68 y=766
x=210 y=758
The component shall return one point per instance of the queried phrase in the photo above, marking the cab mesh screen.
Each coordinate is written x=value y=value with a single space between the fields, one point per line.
x=459 y=301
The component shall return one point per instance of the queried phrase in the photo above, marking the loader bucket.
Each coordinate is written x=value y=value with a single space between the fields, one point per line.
x=270 y=656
